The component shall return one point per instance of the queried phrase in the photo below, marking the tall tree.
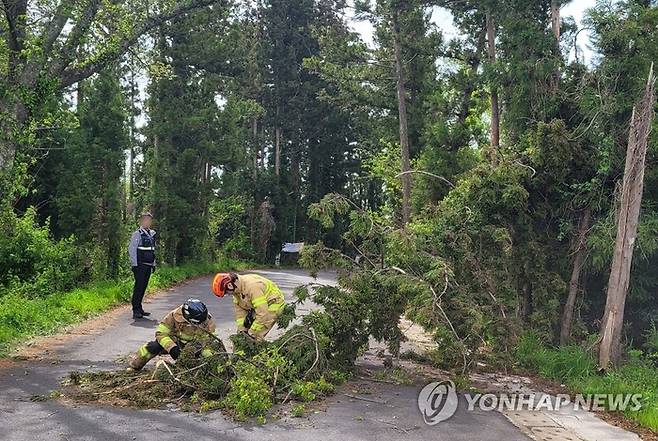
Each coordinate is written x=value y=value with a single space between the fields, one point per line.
x=78 y=179
x=495 y=109
x=405 y=169
x=628 y=219
x=66 y=43
x=182 y=147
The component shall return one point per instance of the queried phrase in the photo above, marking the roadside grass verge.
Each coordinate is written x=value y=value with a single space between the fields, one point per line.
x=576 y=369
x=22 y=318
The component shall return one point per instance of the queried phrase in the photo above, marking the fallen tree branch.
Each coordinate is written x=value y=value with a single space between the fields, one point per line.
x=370 y=400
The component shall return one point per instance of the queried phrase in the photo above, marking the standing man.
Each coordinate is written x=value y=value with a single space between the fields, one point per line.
x=142 y=259
x=257 y=301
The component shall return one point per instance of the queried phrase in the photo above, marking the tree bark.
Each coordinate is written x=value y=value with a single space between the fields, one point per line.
x=254 y=129
x=525 y=301
x=133 y=137
x=495 y=110
x=610 y=349
x=555 y=18
x=277 y=151
x=404 y=126
x=580 y=251
x=13 y=116
x=555 y=26
x=7 y=142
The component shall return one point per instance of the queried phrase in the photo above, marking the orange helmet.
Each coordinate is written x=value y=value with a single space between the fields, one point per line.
x=224 y=283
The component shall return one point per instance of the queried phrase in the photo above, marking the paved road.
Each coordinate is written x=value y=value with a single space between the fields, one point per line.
x=395 y=417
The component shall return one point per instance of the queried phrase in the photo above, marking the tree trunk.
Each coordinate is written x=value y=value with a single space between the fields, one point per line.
x=580 y=250
x=7 y=146
x=133 y=138
x=525 y=301
x=254 y=129
x=555 y=26
x=610 y=350
x=555 y=18
x=404 y=127
x=495 y=111
x=13 y=118
x=277 y=151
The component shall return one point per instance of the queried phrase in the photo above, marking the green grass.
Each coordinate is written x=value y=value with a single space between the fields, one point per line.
x=575 y=368
x=22 y=318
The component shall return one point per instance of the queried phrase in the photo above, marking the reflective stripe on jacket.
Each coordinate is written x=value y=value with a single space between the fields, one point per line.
x=262 y=295
x=175 y=330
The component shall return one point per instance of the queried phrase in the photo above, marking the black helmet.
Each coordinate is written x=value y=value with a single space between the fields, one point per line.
x=195 y=311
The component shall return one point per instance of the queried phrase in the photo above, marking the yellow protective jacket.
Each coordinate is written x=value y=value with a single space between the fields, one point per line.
x=264 y=297
x=175 y=330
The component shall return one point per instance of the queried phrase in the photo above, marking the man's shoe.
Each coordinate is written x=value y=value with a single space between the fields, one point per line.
x=138 y=315
x=146 y=314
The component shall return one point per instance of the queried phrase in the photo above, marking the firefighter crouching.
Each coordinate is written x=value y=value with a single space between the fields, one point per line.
x=188 y=322
x=257 y=301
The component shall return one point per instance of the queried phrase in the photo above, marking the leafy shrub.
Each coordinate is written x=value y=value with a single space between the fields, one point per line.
x=305 y=390
x=229 y=224
x=31 y=261
x=250 y=393
x=651 y=342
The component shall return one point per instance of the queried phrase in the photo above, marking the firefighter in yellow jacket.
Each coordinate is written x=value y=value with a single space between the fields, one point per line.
x=188 y=322
x=257 y=301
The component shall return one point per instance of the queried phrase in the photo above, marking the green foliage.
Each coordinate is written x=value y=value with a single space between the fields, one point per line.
x=32 y=263
x=310 y=390
x=229 y=225
x=568 y=363
x=651 y=342
x=298 y=410
x=250 y=393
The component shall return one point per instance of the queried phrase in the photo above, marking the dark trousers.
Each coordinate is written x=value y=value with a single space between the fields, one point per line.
x=142 y=275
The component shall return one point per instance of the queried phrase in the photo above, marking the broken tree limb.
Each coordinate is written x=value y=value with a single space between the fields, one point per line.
x=627 y=224
x=423 y=172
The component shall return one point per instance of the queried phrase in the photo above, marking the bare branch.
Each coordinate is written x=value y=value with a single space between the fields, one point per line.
x=75 y=37
x=428 y=174
x=50 y=34
x=55 y=27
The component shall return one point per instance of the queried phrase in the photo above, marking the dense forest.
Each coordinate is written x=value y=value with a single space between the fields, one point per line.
x=473 y=183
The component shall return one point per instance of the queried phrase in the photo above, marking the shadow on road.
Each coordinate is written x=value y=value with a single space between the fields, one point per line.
x=144 y=323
